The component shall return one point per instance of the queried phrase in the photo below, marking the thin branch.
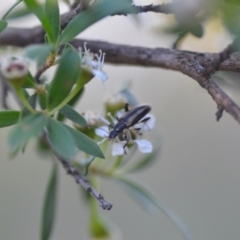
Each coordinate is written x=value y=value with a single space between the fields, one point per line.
x=73 y=172
x=4 y=92
x=166 y=8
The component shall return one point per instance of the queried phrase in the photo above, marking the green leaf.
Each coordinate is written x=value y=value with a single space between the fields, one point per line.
x=32 y=100
x=3 y=25
x=42 y=99
x=76 y=98
x=52 y=12
x=98 y=227
x=72 y=102
x=10 y=9
x=30 y=126
x=148 y=202
x=61 y=140
x=65 y=77
x=85 y=144
x=29 y=81
x=37 y=9
x=197 y=30
x=49 y=206
x=8 y=118
x=94 y=13
x=87 y=164
x=72 y=115
x=19 y=12
x=40 y=52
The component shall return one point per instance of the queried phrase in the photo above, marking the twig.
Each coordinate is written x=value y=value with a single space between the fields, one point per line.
x=160 y=8
x=4 y=92
x=6 y=89
x=166 y=8
x=173 y=59
x=219 y=113
x=79 y=178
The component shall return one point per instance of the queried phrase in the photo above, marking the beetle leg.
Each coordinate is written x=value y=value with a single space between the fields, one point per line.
x=137 y=130
x=126 y=107
x=144 y=120
x=127 y=138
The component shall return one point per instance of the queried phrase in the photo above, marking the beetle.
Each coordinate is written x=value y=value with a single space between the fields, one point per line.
x=130 y=118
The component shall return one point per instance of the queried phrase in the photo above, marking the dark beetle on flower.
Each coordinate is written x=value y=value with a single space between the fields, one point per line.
x=129 y=119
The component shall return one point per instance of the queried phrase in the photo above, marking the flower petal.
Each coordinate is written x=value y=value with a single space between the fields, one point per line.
x=146 y=126
x=102 y=131
x=144 y=146
x=102 y=76
x=117 y=149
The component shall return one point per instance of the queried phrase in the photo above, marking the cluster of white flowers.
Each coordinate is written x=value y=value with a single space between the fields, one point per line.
x=143 y=145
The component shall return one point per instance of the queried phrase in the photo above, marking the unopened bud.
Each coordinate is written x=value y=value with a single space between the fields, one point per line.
x=114 y=103
x=14 y=70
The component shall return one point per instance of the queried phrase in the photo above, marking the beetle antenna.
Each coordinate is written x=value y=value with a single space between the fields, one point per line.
x=102 y=141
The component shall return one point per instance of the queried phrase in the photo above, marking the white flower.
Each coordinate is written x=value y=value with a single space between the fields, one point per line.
x=92 y=65
x=117 y=149
x=146 y=126
x=144 y=146
x=102 y=131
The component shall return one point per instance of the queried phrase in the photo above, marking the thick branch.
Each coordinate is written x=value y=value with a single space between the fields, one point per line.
x=124 y=54
x=181 y=61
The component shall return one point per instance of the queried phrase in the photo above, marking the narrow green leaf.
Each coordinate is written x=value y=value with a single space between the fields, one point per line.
x=19 y=12
x=76 y=98
x=197 y=30
x=49 y=206
x=145 y=199
x=29 y=81
x=32 y=100
x=40 y=52
x=30 y=126
x=8 y=118
x=85 y=144
x=65 y=77
x=98 y=227
x=94 y=13
x=52 y=12
x=42 y=99
x=37 y=9
x=3 y=25
x=11 y=8
x=72 y=102
x=87 y=164
x=61 y=140
x=73 y=115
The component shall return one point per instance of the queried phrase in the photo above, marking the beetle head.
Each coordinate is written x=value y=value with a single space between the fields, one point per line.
x=112 y=135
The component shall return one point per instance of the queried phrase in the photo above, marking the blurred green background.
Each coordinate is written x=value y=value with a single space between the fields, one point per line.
x=197 y=173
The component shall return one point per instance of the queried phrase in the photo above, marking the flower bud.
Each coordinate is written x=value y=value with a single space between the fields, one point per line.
x=15 y=71
x=93 y=120
x=114 y=103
